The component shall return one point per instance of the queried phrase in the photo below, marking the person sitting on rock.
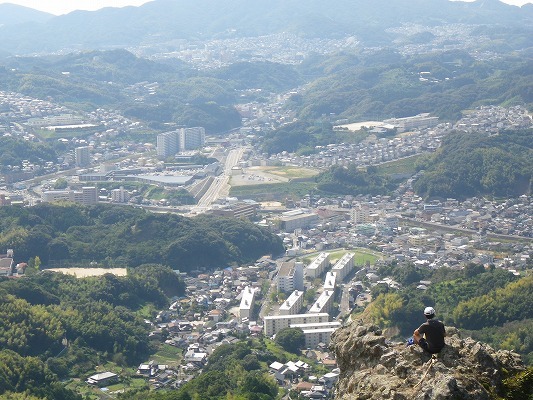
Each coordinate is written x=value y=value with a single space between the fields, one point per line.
x=430 y=335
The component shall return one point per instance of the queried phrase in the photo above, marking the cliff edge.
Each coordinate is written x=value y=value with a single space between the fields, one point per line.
x=372 y=367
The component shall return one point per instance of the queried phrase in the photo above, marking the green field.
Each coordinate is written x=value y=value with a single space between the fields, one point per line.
x=402 y=166
x=274 y=191
x=291 y=172
x=167 y=354
x=361 y=256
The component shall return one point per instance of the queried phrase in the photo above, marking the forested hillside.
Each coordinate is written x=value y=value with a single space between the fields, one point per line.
x=126 y=236
x=384 y=84
x=491 y=305
x=89 y=321
x=470 y=164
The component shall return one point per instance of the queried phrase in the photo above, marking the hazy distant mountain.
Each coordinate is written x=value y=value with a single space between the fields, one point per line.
x=11 y=14
x=164 y=21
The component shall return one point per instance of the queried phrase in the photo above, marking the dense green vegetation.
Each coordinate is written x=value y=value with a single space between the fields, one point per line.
x=56 y=326
x=386 y=84
x=182 y=95
x=305 y=138
x=491 y=305
x=115 y=235
x=15 y=150
x=351 y=180
x=236 y=371
x=477 y=164
x=291 y=339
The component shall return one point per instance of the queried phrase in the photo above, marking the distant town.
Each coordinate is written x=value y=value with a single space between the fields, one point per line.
x=316 y=230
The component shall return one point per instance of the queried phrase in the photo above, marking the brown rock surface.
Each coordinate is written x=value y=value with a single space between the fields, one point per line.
x=374 y=368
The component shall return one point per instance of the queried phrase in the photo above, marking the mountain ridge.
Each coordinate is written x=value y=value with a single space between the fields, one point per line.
x=13 y=14
x=163 y=21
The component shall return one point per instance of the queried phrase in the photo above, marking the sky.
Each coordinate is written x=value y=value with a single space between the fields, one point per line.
x=59 y=7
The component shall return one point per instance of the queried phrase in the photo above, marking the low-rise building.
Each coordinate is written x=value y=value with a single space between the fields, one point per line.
x=317 y=266
x=319 y=333
x=324 y=303
x=344 y=266
x=88 y=195
x=293 y=304
x=247 y=302
x=274 y=323
x=102 y=379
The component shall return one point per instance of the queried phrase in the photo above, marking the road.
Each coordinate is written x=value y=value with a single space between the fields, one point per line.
x=448 y=228
x=220 y=185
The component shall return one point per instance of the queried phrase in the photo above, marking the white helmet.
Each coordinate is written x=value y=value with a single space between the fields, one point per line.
x=429 y=311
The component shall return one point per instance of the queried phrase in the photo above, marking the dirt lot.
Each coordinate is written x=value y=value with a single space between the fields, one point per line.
x=84 y=272
x=269 y=175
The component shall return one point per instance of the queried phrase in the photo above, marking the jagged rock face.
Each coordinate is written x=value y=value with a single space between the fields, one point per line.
x=374 y=368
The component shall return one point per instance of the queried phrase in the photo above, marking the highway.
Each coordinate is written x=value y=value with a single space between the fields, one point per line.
x=220 y=185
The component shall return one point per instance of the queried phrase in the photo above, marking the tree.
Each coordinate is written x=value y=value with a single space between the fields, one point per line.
x=257 y=385
x=61 y=183
x=291 y=339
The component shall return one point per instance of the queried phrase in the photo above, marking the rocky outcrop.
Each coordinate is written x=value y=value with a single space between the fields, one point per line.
x=372 y=367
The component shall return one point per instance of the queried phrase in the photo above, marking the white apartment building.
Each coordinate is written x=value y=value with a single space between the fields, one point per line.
x=247 y=302
x=167 y=144
x=344 y=266
x=361 y=214
x=86 y=196
x=324 y=303
x=191 y=138
x=290 y=277
x=296 y=219
x=82 y=156
x=120 y=195
x=415 y=122
x=330 y=282
x=62 y=119
x=318 y=333
x=183 y=139
x=293 y=304
x=317 y=266
x=274 y=323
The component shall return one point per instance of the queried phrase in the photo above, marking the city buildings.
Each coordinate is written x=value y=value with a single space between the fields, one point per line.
x=293 y=304
x=191 y=138
x=290 y=277
x=344 y=266
x=119 y=195
x=87 y=196
x=318 y=333
x=239 y=210
x=324 y=303
x=83 y=156
x=275 y=323
x=317 y=266
x=247 y=302
x=167 y=144
x=295 y=219
x=183 y=139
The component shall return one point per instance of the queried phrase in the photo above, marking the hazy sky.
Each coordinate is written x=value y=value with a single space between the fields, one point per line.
x=65 y=6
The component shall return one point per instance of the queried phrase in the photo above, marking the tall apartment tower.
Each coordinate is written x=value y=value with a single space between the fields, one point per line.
x=89 y=195
x=361 y=214
x=119 y=195
x=168 y=144
x=192 y=138
x=83 y=157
